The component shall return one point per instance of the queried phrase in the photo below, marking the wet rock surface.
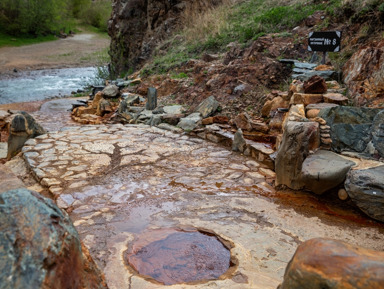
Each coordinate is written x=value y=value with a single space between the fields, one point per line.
x=351 y=128
x=324 y=170
x=298 y=139
x=324 y=263
x=366 y=189
x=39 y=246
x=181 y=257
x=118 y=181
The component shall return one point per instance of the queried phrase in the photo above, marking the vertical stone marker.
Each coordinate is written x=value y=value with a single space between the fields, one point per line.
x=151 y=99
x=23 y=127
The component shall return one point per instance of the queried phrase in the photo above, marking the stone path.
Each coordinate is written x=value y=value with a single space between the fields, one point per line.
x=117 y=182
x=55 y=114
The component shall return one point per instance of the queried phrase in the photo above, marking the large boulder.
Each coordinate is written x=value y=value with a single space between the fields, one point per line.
x=366 y=189
x=9 y=181
x=378 y=133
x=324 y=170
x=40 y=247
x=324 y=263
x=298 y=139
x=363 y=75
x=351 y=127
x=23 y=127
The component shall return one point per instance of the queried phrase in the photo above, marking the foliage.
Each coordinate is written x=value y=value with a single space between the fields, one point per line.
x=102 y=70
x=43 y=17
x=35 y=17
x=243 y=21
x=240 y=21
x=78 y=6
x=97 y=14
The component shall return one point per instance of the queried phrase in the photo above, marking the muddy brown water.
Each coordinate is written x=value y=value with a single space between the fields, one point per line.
x=181 y=257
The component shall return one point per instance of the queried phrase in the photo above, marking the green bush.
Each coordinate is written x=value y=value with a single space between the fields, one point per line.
x=43 y=17
x=97 y=14
x=35 y=17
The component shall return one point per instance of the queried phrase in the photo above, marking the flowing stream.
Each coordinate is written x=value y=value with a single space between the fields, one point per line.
x=43 y=84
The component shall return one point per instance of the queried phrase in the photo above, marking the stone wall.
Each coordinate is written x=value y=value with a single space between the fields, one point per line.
x=137 y=26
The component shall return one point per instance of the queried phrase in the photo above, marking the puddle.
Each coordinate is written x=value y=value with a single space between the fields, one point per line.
x=174 y=256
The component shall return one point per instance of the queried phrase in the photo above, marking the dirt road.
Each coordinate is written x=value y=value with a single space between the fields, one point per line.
x=81 y=50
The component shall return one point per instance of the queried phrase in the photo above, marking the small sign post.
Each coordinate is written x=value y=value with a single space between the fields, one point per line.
x=324 y=41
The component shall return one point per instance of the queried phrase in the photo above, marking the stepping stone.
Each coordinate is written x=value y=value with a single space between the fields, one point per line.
x=324 y=170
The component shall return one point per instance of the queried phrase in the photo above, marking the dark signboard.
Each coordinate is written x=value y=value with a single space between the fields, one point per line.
x=324 y=41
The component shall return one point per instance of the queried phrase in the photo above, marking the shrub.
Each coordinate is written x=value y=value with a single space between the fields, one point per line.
x=97 y=14
x=36 y=17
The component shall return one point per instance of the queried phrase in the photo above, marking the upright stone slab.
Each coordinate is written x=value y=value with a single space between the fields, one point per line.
x=40 y=247
x=324 y=263
x=151 y=99
x=239 y=144
x=23 y=127
x=298 y=139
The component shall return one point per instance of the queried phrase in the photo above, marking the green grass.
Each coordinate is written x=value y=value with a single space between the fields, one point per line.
x=179 y=75
x=246 y=22
x=7 y=40
x=253 y=19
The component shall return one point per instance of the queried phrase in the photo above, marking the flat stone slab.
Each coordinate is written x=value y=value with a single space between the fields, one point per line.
x=173 y=109
x=324 y=170
x=320 y=106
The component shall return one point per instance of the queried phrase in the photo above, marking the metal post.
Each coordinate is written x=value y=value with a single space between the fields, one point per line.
x=324 y=56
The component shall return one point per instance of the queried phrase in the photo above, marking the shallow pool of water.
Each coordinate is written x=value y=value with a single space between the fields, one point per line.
x=43 y=84
x=181 y=257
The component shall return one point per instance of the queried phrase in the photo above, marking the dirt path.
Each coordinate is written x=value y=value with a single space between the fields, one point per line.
x=80 y=50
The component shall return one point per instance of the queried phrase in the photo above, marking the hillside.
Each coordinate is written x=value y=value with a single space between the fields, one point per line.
x=230 y=49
